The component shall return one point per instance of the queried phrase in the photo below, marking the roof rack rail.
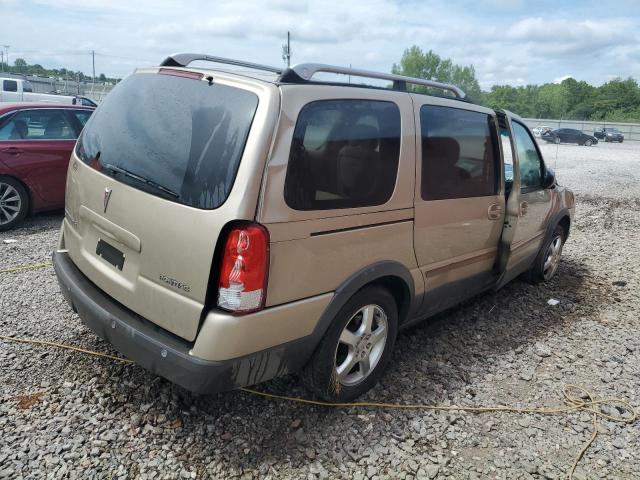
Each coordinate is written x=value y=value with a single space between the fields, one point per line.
x=305 y=71
x=184 y=59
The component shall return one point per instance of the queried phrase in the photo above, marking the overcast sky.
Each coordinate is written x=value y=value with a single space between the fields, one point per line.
x=508 y=41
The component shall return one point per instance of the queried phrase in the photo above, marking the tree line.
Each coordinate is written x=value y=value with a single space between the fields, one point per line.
x=616 y=101
x=21 y=67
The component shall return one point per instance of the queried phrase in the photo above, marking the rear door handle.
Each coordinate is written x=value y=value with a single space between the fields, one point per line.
x=524 y=208
x=12 y=150
x=494 y=212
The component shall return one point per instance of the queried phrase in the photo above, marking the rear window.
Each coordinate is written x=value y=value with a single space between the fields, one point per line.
x=10 y=85
x=174 y=137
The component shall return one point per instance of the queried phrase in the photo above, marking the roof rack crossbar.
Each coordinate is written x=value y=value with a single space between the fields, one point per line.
x=184 y=59
x=305 y=71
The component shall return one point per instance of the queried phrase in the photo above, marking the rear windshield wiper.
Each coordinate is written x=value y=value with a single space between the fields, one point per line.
x=151 y=183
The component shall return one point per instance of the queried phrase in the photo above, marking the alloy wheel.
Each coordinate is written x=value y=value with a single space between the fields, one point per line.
x=10 y=203
x=361 y=345
x=552 y=257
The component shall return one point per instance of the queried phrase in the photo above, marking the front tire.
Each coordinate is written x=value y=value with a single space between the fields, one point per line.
x=356 y=348
x=546 y=263
x=588 y=142
x=14 y=203
x=557 y=141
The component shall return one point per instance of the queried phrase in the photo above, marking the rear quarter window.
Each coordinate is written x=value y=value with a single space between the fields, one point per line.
x=344 y=154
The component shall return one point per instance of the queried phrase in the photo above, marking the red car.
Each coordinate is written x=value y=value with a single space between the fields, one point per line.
x=36 y=141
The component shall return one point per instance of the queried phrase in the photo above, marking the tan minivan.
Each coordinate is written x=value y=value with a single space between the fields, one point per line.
x=223 y=228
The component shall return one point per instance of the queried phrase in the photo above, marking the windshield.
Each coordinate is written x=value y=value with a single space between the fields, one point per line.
x=171 y=134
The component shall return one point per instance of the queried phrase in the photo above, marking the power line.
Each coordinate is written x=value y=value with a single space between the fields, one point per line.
x=4 y=57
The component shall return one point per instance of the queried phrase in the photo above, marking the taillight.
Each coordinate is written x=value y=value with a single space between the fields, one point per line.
x=244 y=270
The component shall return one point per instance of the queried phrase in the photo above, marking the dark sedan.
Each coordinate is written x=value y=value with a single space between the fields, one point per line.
x=36 y=141
x=609 y=134
x=569 y=135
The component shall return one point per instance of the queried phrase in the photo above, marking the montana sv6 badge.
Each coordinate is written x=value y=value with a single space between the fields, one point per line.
x=175 y=283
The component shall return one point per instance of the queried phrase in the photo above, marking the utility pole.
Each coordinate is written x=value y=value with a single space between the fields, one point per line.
x=6 y=47
x=1 y=59
x=286 y=51
x=93 y=62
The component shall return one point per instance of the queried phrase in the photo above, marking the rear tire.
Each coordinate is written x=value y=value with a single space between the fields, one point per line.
x=546 y=263
x=14 y=203
x=356 y=348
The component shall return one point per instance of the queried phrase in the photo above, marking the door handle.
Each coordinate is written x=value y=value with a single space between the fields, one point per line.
x=494 y=212
x=12 y=150
x=524 y=208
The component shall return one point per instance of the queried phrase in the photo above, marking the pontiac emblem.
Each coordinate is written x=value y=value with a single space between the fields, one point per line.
x=107 y=196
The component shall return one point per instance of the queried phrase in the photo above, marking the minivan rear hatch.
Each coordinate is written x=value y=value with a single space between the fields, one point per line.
x=147 y=188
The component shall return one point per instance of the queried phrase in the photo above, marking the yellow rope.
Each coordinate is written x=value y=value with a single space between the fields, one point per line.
x=573 y=402
x=64 y=346
x=572 y=395
x=26 y=267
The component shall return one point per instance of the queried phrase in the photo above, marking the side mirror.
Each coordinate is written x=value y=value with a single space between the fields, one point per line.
x=549 y=180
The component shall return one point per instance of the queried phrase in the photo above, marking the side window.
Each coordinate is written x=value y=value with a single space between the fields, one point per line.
x=82 y=116
x=344 y=154
x=8 y=131
x=27 y=87
x=528 y=158
x=9 y=85
x=459 y=153
x=38 y=125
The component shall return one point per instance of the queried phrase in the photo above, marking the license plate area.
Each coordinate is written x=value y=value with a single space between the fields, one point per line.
x=110 y=253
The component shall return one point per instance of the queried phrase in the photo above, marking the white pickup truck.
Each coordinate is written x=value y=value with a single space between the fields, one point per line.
x=18 y=90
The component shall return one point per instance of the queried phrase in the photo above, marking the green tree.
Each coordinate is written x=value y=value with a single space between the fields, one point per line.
x=617 y=97
x=552 y=101
x=430 y=66
x=20 y=64
x=102 y=77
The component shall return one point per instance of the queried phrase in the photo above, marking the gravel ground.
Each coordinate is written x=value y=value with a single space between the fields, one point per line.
x=70 y=415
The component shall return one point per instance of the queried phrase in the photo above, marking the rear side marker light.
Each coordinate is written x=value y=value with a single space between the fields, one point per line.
x=244 y=270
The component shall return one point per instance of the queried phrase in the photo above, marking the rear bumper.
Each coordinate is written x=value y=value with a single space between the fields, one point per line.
x=163 y=353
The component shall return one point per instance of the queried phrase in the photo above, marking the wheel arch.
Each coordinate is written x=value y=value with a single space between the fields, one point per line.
x=565 y=222
x=390 y=275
